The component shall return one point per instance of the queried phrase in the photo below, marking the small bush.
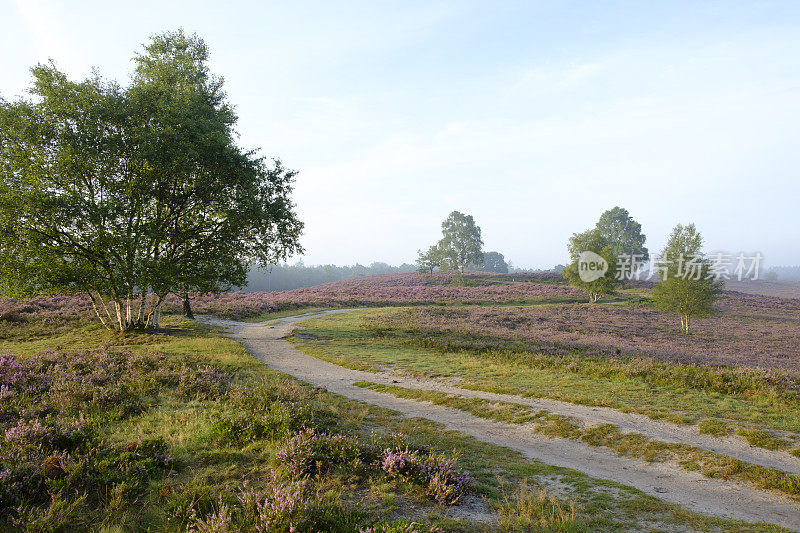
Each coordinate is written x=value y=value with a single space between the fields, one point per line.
x=203 y=383
x=310 y=452
x=442 y=479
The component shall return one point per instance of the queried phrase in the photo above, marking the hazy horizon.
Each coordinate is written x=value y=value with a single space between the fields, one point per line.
x=532 y=117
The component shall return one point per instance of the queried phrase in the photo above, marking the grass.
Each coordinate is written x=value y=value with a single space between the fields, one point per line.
x=206 y=467
x=762 y=439
x=529 y=509
x=346 y=340
x=710 y=464
x=714 y=427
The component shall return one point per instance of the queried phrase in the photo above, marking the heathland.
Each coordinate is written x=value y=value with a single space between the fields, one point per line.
x=183 y=429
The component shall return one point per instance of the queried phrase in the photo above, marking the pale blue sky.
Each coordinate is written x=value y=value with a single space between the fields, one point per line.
x=532 y=116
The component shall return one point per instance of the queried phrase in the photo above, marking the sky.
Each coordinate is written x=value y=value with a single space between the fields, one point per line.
x=533 y=116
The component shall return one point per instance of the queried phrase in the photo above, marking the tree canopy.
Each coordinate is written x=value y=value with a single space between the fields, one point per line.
x=623 y=233
x=429 y=260
x=591 y=242
x=131 y=193
x=461 y=242
x=494 y=262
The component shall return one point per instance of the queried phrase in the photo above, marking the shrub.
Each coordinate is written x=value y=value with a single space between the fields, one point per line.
x=308 y=452
x=442 y=479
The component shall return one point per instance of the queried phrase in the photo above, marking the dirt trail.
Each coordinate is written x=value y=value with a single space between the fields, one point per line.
x=662 y=480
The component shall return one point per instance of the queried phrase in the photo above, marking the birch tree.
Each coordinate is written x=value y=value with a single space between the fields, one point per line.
x=687 y=289
x=129 y=194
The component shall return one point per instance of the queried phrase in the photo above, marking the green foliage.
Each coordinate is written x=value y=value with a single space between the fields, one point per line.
x=687 y=288
x=124 y=192
x=762 y=439
x=429 y=260
x=591 y=241
x=461 y=242
x=623 y=233
x=494 y=262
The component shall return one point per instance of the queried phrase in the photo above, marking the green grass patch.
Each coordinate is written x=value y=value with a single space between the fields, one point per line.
x=762 y=439
x=348 y=340
x=715 y=427
x=636 y=445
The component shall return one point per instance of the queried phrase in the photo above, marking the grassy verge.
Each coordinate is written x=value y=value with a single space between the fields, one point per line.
x=345 y=339
x=710 y=464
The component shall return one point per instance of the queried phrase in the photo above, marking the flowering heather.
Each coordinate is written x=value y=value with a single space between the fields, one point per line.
x=309 y=452
x=403 y=526
x=203 y=383
x=54 y=407
x=388 y=289
x=750 y=331
x=281 y=503
x=442 y=479
x=50 y=309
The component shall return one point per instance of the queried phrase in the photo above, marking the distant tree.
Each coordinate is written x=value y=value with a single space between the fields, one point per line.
x=687 y=287
x=129 y=194
x=771 y=276
x=494 y=262
x=591 y=241
x=461 y=242
x=429 y=260
x=623 y=233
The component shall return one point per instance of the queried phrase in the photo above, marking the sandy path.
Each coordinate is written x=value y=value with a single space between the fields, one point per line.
x=627 y=422
x=665 y=481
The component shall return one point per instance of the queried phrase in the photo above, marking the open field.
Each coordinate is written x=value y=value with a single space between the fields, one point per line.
x=184 y=430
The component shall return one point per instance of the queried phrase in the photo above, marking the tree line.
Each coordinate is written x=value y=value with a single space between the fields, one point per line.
x=284 y=277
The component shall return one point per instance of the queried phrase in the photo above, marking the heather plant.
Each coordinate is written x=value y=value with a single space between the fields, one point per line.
x=440 y=476
x=383 y=290
x=55 y=464
x=279 y=419
x=203 y=383
x=401 y=526
x=310 y=452
x=749 y=331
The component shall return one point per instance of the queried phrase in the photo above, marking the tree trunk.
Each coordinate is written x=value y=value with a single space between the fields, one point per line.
x=97 y=311
x=118 y=312
x=157 y=315
x=141 y=311
x=187 y=308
